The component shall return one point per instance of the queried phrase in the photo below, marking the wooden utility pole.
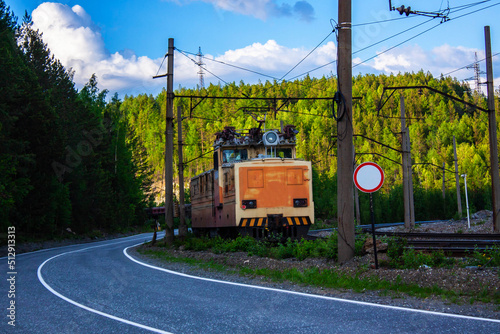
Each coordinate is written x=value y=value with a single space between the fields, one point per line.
x=356 y=195
x=495 y=177
x=444 y=181
x=407 y=169
x=406 y=191
x=182 y=219
x=410 y=179
x=345 y=165
x=457 y=179
x=169 y=147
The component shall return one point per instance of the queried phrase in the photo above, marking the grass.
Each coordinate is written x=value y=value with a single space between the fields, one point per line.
x=330 y=278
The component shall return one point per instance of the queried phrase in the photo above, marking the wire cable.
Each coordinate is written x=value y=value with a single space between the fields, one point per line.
x=399 y=44
x=317 y=46
x=365 y=48
x=458 y=8
x=227 y=64
x=475 y=11
x=204 y=68
x=161 y=64
x=461 y=68
x=382 y=21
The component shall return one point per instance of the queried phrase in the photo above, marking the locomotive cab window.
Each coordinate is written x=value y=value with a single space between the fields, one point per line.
x=284 y=153
x=234 y=155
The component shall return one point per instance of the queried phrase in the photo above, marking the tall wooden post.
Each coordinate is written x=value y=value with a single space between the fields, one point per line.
x=356 y=195
x=457 y=179
x=410 y=178
x=495 y=177
x=169 y=147
x=444 y=181
x=345 y=169
x=407 y=169
x=182 y=218
x=406 y=190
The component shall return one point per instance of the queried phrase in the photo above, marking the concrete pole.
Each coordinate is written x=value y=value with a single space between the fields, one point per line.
x=410 y=179
x=356 y=195
x=345 y=169
x=406 y=188
x=495 y=177
x=466 y=200
x=457 y=179
x=444 y=184
x=182 y=218
x=169 y=147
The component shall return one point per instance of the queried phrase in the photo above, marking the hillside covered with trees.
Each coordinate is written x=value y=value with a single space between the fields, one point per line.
x=64 y=158
x=433 y=120
x=73 y=159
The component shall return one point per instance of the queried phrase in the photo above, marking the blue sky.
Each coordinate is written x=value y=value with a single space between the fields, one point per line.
x=124 y=42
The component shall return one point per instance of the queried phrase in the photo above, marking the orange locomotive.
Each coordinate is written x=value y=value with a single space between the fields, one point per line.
x=257 y=187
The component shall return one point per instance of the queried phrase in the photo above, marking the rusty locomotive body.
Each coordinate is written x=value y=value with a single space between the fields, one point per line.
x=257 y=186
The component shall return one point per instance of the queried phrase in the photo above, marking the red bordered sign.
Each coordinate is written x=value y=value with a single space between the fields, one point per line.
x=368 y=177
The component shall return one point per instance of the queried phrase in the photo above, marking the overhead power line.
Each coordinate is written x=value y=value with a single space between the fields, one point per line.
x=185 y=53
x=399 y=44
x=317 y=46
x=464 y=67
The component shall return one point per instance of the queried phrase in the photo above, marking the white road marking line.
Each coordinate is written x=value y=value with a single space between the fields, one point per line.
x=48 y=287
x=306 y=294
x=138 y=236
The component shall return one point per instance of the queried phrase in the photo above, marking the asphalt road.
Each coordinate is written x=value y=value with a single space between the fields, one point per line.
x=99 y=288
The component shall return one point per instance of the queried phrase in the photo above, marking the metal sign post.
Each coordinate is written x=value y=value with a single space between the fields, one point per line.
x=369 y=177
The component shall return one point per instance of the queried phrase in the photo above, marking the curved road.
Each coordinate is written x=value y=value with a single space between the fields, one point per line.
x=99 y=288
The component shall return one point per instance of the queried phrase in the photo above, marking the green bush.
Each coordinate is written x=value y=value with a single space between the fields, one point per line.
x=396 y=247
x=411 y=259
x=325 y=248
x=486 y=258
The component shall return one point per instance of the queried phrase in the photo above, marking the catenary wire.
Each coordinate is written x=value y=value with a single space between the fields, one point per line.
x=227 y=64
x=461 y=68
x=319 y=67
x=365 y=48
x=465 y=7
x=475 y=11
x=317 y=46
x=399 y=44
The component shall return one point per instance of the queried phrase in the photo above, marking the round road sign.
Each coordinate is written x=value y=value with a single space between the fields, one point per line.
x=368 y=177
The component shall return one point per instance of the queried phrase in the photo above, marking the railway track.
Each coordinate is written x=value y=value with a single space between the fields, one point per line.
x=455 y=244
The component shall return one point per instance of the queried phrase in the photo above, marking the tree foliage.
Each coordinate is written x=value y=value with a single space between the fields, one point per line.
x=70 y=159
x=432 y=119
x=64 y=159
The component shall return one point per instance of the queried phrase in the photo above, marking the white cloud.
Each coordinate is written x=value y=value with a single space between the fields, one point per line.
x=76 y=41
x=274 y=60
x=440 y=60
x=444 y=59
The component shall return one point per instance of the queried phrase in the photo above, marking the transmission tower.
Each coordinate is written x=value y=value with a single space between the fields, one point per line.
x=477 y=73
x=200 y=63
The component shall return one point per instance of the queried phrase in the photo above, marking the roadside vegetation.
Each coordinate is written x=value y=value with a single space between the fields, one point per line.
x=334 y=276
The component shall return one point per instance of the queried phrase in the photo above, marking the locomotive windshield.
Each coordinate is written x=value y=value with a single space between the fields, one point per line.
x=234 y=155
x=284 y=153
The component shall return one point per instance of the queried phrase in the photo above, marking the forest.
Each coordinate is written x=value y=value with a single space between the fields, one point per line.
x=66 y=164
x=433 y=120
x=79 y=160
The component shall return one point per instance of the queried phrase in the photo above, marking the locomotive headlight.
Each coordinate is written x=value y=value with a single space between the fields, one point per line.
x=249 y=204
x=300 y=202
